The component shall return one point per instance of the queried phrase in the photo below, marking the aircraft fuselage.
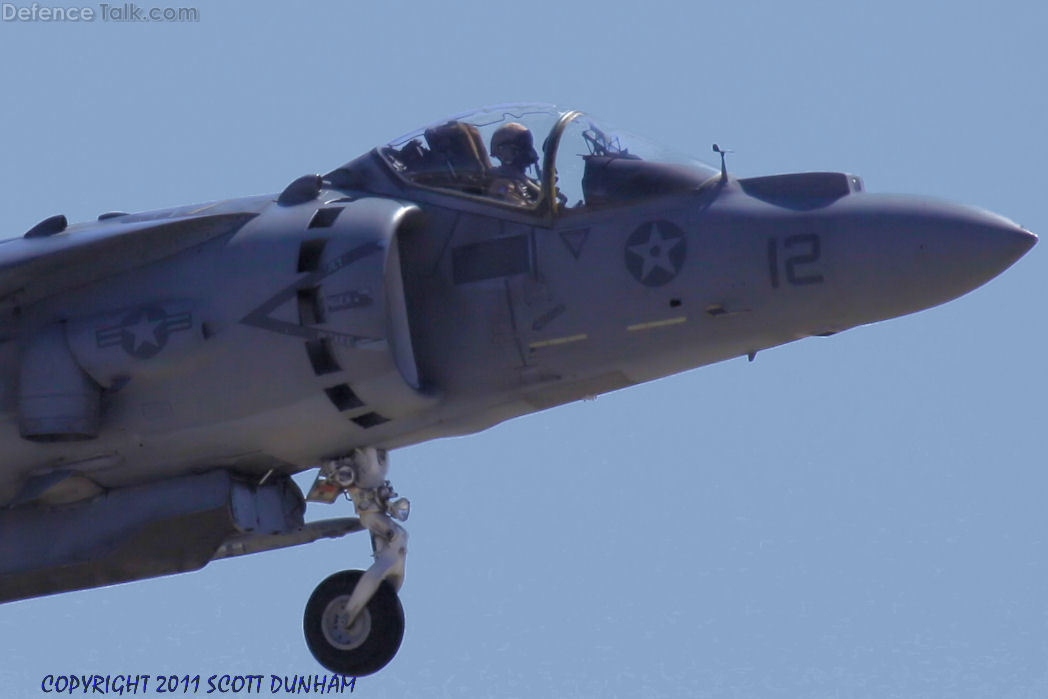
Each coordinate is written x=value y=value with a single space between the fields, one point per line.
x=503 y=316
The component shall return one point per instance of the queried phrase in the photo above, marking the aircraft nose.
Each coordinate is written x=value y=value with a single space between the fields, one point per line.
x=922 y=253
x=977 y=245
x=1016 y=242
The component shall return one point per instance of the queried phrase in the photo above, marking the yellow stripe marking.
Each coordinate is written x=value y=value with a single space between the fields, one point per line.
x=205 y=207
x=657 y=324
x=558 y=341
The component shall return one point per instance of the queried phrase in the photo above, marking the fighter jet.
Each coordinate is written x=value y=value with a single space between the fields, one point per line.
x=166 y=373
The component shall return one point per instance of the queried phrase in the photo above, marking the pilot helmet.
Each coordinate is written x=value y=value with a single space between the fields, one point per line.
x=513 y=145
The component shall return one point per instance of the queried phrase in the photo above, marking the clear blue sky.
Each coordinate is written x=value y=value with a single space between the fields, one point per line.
x=858 y=516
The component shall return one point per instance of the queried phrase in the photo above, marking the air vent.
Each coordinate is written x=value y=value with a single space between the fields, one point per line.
x=324 y=218
x=321 y=358
x=305 y=188
x=49 y=226
x=369 y=420
x=310 y=307
x=343 y=397
x=309 y=254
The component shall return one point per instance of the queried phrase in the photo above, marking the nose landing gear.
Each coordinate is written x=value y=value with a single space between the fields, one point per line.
x=354 y=622
x=359 y=646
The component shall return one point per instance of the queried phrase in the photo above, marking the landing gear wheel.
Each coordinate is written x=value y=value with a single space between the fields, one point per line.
x=369 y=643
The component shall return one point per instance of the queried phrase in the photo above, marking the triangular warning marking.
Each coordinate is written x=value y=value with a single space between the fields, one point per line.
x=273 y=315
x=575 y=240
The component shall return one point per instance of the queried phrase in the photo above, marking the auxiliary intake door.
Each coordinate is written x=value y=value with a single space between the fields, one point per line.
x=353 y=310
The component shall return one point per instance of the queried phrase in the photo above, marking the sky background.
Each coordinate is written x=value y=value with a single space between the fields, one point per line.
x=857 y=516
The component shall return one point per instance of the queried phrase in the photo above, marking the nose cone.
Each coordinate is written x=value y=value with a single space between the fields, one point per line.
x=964 y=248
x=906 y=254
x=1016 y=242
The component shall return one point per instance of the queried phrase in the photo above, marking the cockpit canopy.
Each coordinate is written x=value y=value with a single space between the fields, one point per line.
x=580 y=163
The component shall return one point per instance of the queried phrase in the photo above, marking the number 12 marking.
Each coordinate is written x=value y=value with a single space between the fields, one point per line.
x=808 y=250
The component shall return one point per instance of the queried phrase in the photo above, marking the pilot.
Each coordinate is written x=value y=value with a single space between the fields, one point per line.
x=512 y=144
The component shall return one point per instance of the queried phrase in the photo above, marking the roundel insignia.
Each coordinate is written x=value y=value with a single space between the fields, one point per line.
x=145 y=332
x=655 y=252
x=142 y=333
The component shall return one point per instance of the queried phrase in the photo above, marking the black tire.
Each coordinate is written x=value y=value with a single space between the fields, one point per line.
x=371 y=649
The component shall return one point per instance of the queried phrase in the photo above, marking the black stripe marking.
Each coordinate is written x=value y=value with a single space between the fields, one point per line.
x=369 y=420
x=321 y=357
x=343 y=397
x=311 y=307
x=325 y=218
x=309 y=254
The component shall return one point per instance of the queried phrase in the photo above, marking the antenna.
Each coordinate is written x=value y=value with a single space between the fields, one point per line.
x=724 y=167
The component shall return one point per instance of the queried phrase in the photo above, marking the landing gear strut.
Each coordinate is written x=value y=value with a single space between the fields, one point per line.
x=354 y=622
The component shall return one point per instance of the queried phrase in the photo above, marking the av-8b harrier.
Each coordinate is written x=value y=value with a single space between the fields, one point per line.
x=165 y=373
